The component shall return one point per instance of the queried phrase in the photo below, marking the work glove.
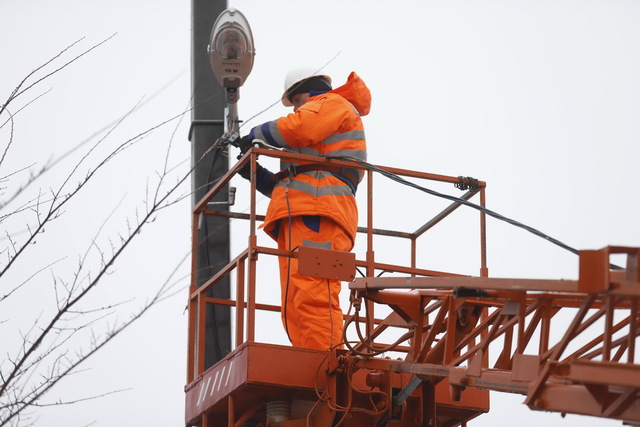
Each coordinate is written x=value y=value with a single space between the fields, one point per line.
x=264 y=178
x=245 y=171
x=244 y=144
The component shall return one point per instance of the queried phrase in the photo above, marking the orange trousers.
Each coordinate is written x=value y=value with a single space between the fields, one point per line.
x=311 y=311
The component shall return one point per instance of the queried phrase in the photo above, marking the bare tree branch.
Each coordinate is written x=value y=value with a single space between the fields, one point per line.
x=19 y=90
x=46 y=354
x=83 y=399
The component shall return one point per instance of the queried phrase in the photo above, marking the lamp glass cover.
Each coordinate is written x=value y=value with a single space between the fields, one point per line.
x=231 y=43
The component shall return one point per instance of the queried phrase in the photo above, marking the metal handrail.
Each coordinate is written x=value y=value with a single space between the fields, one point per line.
x=244 y=264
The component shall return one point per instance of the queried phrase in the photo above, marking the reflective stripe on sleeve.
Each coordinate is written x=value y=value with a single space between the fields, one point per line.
x=269 y=133
x=325 y=190
x=353 y=135
x=319 y=245
x=357 y=154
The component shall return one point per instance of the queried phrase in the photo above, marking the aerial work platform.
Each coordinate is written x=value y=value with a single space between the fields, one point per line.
x=424 y=347
x=239 y=387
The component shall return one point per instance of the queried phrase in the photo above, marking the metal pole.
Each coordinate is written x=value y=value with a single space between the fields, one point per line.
x=208 y=118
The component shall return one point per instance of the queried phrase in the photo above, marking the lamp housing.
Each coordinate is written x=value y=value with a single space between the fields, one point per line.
x=231 y=49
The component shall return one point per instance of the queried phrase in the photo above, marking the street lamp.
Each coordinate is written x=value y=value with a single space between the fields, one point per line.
x=231 y=51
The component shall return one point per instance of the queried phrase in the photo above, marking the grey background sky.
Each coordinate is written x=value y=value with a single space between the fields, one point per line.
x=539 y=99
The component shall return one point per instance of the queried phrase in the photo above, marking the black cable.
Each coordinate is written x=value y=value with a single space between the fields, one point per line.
x=286 y=291
x=489 y=212
x=218 y=149
x=331 y=344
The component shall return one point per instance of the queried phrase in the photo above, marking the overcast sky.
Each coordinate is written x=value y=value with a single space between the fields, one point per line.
x=540 y=99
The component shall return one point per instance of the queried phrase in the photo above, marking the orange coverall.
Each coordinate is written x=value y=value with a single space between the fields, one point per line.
x=316 y=207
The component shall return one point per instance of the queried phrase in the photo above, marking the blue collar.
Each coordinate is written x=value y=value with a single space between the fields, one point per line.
x=317 y=92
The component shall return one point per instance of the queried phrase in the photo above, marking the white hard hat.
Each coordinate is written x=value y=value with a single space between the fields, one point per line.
x=297 y=76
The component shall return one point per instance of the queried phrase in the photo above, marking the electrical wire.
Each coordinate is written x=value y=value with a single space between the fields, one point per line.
x=279 y=100
x=217 y=148
x=467 y=181
x=331 y=325
x=355 y=319
x=467 y=203
x=286 y=291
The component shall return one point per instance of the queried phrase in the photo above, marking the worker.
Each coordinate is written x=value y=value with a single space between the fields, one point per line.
x=313 y=204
